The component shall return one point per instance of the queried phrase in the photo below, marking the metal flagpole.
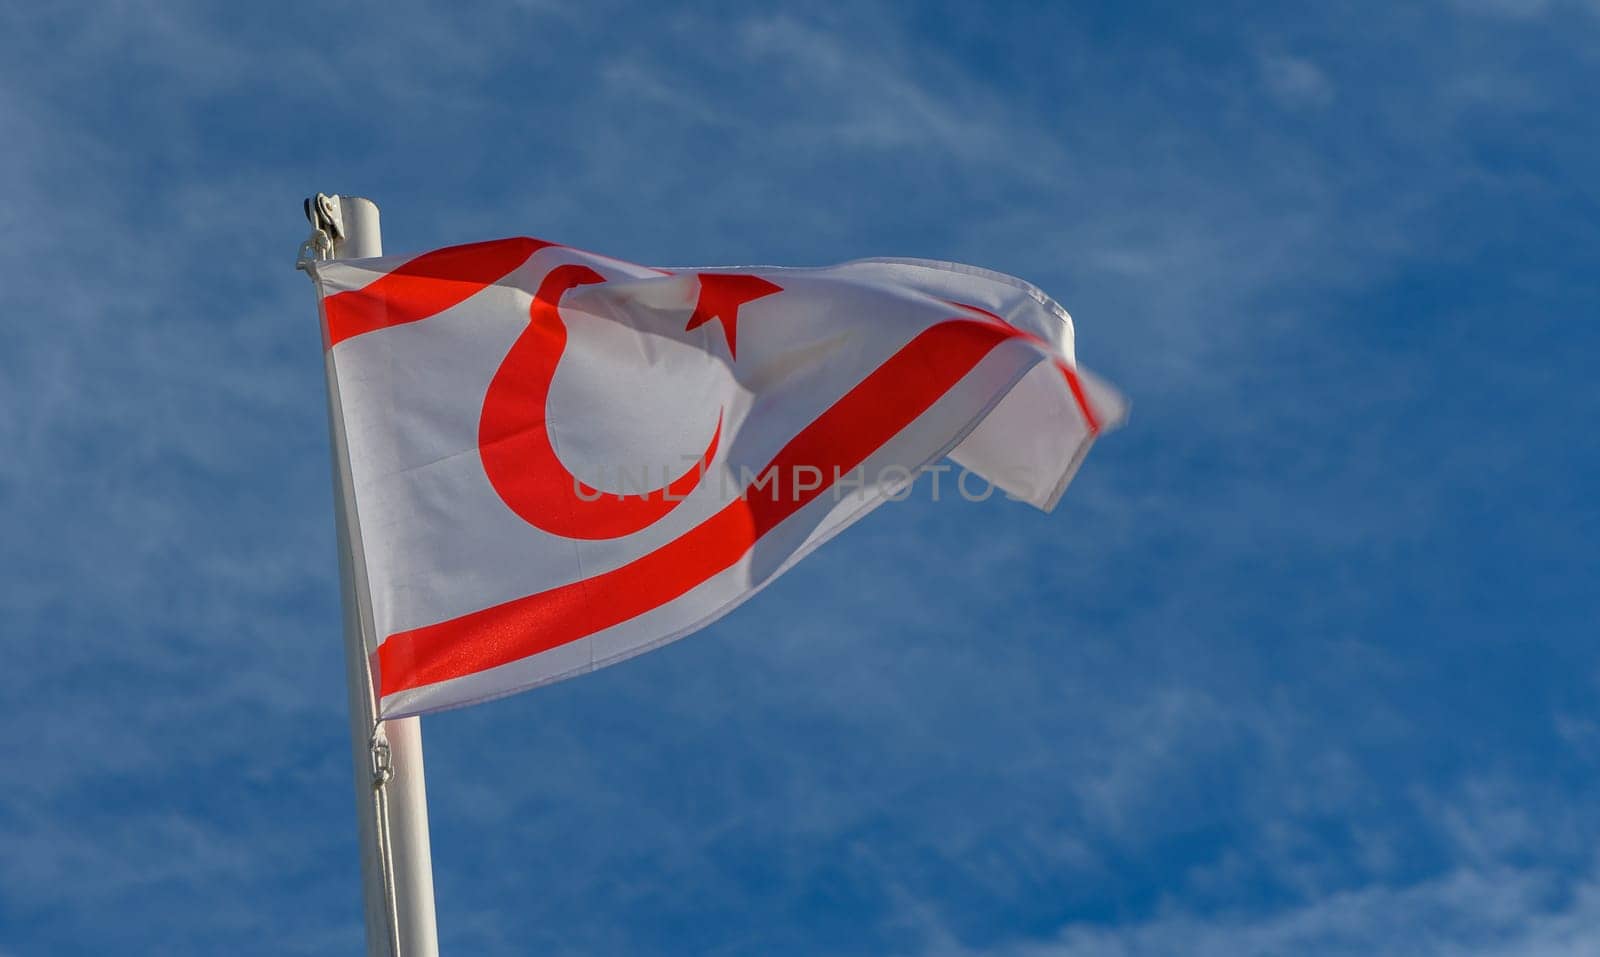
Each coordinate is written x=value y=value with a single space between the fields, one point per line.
x=391 y=795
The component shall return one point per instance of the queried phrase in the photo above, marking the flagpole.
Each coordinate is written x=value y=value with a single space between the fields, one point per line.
x=391 y=793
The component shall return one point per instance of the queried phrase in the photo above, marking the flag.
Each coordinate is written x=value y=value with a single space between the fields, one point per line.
x=555 y=460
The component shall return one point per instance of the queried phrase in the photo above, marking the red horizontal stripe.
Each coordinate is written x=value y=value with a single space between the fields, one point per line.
x=1090 y=420
x=425 y=286
x=839 y=440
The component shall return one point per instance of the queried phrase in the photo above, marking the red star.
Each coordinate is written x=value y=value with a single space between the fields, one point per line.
x=721 y=295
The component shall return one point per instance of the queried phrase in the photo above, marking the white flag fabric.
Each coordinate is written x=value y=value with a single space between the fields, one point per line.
x=557 y=460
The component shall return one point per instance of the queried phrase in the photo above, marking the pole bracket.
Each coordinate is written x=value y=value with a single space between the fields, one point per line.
x=326 y=217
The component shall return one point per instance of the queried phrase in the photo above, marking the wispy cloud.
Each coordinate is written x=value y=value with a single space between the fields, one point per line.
x=1296 y=82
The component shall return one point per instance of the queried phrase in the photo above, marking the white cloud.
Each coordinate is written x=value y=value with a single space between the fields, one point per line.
x=1490 y=902
x=1502 y=912
x=1510 y=9
x=1296 y=82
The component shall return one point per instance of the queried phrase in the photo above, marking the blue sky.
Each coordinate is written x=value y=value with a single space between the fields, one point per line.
x=1304 y=664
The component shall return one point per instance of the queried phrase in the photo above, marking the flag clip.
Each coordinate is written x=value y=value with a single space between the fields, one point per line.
x=382 y=768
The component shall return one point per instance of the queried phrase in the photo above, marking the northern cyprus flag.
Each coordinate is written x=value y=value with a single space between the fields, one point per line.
x=556 y=460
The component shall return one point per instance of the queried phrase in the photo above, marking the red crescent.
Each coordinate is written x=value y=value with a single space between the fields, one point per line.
x=514 y=436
